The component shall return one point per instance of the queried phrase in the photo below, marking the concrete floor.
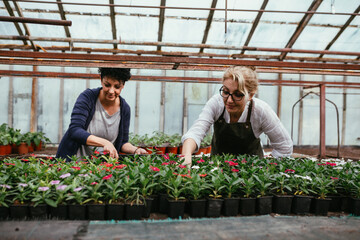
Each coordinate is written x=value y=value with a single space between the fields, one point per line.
x=254 y=227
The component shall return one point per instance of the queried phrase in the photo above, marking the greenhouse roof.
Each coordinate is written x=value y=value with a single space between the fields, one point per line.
x=308 y=36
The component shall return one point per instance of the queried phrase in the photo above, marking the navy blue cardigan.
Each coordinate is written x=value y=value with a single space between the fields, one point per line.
x=81 y=116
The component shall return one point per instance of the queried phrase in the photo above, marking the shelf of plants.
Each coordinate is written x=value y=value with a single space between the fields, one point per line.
x=99 y=187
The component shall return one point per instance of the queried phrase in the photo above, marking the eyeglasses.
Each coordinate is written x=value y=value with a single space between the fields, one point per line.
x=236 y=96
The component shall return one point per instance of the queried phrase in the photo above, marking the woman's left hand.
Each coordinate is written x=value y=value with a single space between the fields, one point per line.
x=140 y=151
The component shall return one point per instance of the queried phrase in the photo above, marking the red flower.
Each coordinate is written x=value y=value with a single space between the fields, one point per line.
x=243 y=161
x=96 y=152
x=155 y=169
x=289 y=171
x=12 y=164
x=25 y=160
x=274 y=163
x=49 y=158
x=185 y=175
x=166 y=156
x=172 y=162
x=121 y=166
x=107 y=177
x=182 y=166
x=76 y=168
x=203 y=175
x=33 y=155
x=321 y=164
x=231 y=163
x=331 y=164
x=94 y=183
x=334 y=178
x=200 y=161
x=235 y=170
x=165 y=163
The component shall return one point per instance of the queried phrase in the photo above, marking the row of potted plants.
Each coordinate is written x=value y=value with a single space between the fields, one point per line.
x=98 y=187
x=162 y=143
x=12 y=141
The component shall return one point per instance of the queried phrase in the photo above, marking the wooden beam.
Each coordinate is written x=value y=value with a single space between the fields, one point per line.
x=27 y=31
x=304 y=21
x=161 y=23
x=341 y=30
x=255 y=24
x=208 y=24
x=322 y=122
x=17 y=26
x=63 y=17
x=33 y=113
x=113 y=22
x=279 y=94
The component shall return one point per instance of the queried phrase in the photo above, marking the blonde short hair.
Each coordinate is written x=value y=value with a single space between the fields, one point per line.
x=245 y=77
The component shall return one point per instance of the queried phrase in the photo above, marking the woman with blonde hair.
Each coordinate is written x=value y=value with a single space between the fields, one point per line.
x=239 y=119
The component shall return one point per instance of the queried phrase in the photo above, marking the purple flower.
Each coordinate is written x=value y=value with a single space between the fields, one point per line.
x=83 y=175
x=61 y=187
x=55 y=182
x=65 y=175
x=78 y=189
x=23 y=185
x=43 y=189
x=5 y=186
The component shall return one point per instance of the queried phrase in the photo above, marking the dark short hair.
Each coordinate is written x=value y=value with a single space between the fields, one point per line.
x=120 y=74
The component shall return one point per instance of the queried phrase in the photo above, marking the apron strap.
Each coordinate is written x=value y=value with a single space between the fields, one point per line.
x=249 y=111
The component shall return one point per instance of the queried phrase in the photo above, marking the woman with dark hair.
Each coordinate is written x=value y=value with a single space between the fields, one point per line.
x=100 y=118
x=239 y=119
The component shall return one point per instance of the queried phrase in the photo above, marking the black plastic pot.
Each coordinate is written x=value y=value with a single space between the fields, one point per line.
x=133 y=212
x=115 y=211
x=264 y=205
x=231 y=206
x=247 y=206
x=213 y=207
x=321 y=206
x=77 y=212
x=197 y=208
x=96 y=211
x=4 y=212
x=176 y=208
x=59 y=212
x=155 y=203
x=355 y=206
x=148 y=206
x=335 y=204
x=19 y=212
x=163 y=203
x=301 y=204
x=345 y=205
x=39 y=212
x=282 y=204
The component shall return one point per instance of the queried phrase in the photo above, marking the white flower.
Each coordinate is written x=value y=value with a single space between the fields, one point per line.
x=214 y=169
x=286 y=175
x=195 y=167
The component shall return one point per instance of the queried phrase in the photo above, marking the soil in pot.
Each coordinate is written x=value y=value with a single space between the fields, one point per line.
x=77 y=212
x=197 y=208
x=213 y=207
x=59 y=212
x=115 y=211
x=231 y=206
x=147 y=208
x=96 y=211
x=4 y=212
x=301 y=204
x=247 y=206
x=134 y=211
x=163 y=203
x=39 y=212
x=321 y=206
x=264 y=205
x=176 y=208
x=282 y=204
x=19 y=211
x=355 y=206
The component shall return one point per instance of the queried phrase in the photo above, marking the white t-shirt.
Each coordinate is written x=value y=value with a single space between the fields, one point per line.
x=263 y=120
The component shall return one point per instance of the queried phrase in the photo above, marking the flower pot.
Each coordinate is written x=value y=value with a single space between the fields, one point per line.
x=355 y=206
x=30 y=148
x=59 y=212
x=345 y=205
x=3 y=150
x=155 y=203
x=197 y=208
x=282 y=204
x=4 y=212
x=264 y=205
x=115 y=211
x=14 y=148
x=38 y=147
x=160 y=150
x=247 y=206
x=77 y=212
x=150 y=150
x=163 y=203
x=301 y=204
x=39 y=212
x=321 y=206
x=180 y=149
x=147 y=208
x=173 y=150
x=23 y=148
x=96 y=211
x=202 y=150
x=133 y=212
x=8 y=149
x=176 y=208
x=231 y=206
x=335 y=204
x=208 y=149
x=19 y=212
x=213 y=207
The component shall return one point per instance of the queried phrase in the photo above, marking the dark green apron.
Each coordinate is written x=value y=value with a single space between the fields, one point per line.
x=235 y=138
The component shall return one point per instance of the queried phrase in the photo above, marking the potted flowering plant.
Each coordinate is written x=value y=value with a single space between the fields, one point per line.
x=176 y=204
x=321 y=186
x=215 y=201
x=355 y=193
x=41 y=198
x=247 y=201
x=231 y=186
x=113 y=195
x=20 y=197
x=75 y=198
x=95 y=206
x=146 y=186
x=174 y=143
x=59 y=195
x=302 y=200
x=282 y=200
x=196 y=191
x=4 y=200
x=263 y=185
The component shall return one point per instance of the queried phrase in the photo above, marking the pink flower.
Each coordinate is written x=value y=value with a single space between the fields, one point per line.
x=231 y=163
x=78 y=189
x=243 y=161
x=203 y=175
x=155 y=169
x=55 y=182
x=182 y=166
x=274 y=163
x=76 y=168
x=61 y=187
x=334 y=178
x=289 y=171
x=165 y=163
x=43 y=189
x=65 y=175
x=235 y=170
x=107 y=177
x=5 y=186
x=23 y=185
x=166 y=156
x=94 y=183
x=331 y=164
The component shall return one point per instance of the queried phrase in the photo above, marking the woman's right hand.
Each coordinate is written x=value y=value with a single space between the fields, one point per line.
x=109 y=148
